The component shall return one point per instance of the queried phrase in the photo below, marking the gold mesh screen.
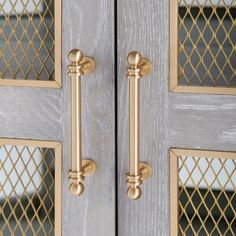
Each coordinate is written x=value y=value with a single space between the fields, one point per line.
x=206 y=195
x=206 y=43
x=27 y=39
x=27 y=190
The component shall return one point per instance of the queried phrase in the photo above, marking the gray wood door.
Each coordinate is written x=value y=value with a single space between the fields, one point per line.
x=44 y=114
x=168 y=119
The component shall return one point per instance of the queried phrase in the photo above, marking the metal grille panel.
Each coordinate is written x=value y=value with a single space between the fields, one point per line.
x=27 y=38
x=206 y=43
x=27 y=193
x=205 y=184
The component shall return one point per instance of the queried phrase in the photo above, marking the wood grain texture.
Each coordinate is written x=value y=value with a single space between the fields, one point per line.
x=143 y=26
x=30 y=113
x=167 y=120
x=203 y=121
x=88 y=25
x=33 y=113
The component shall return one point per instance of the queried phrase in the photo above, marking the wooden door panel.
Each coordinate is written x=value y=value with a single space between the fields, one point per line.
x=191 y=121
x=143 y=26
x=44 y=114
x=31 y=113
x=203 y=121
x=88 y=25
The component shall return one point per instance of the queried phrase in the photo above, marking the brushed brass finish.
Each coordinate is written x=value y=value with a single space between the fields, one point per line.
x=89 y=167
x=76 y=178
x=79 y=66
x=145 y=170
x=139 y=67
x=145 y=66
x=134 y=182
x=88 y=65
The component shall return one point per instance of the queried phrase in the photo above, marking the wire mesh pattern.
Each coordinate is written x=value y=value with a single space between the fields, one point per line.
x=27 y=39
x=27 y=190
x=207 y=196
x=206 y=43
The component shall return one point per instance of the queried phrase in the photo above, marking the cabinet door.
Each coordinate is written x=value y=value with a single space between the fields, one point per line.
x=187 y=128
x=36 y=37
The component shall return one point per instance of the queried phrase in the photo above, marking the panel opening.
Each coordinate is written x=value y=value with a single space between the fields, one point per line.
x=30 y=38
x=30 y=191
x=205 y=184
x=204 y=43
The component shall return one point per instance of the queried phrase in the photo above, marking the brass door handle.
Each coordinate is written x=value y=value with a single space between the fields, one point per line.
x=79 y=65
x=138 y=171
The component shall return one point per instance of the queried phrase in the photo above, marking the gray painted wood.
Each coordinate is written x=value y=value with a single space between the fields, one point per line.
x=30 y=113
x=167 y=120
x=44 y=114
x=143 y=26
x=203 y=121
x=88 y=25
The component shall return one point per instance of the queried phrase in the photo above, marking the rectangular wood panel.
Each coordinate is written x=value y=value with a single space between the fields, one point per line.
x=89 y=25
x=143 y=26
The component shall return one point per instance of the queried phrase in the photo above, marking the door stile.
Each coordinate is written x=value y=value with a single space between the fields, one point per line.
x=143 y=27
x=89 y=26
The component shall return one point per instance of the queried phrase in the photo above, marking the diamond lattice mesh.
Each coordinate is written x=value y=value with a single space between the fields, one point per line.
x=206 y=43
x=207 y=196
x=26 y=191
x=27 y=39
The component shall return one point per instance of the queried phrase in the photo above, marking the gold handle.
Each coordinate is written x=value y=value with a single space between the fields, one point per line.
x=138 y=171
x=79 y=66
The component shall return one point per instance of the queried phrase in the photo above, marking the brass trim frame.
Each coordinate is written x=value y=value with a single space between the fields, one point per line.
x=58 y=43
x=173 y=63
x=173 y=47
x=57 y=83
x=174 y=153
x=174 y=192
x=58 y=175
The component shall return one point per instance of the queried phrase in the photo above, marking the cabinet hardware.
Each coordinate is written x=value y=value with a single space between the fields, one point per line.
x=79 y=65
x=139 y=67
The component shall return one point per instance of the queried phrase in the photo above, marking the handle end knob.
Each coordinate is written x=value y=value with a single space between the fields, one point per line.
x=76 y=188
x=75 y=56
x=134 y=58
x=139 y=66
x=134 y=182
x=134 y=192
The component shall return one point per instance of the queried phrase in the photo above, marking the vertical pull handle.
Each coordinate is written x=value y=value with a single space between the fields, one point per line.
x=79 y=65
x=138 y=171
